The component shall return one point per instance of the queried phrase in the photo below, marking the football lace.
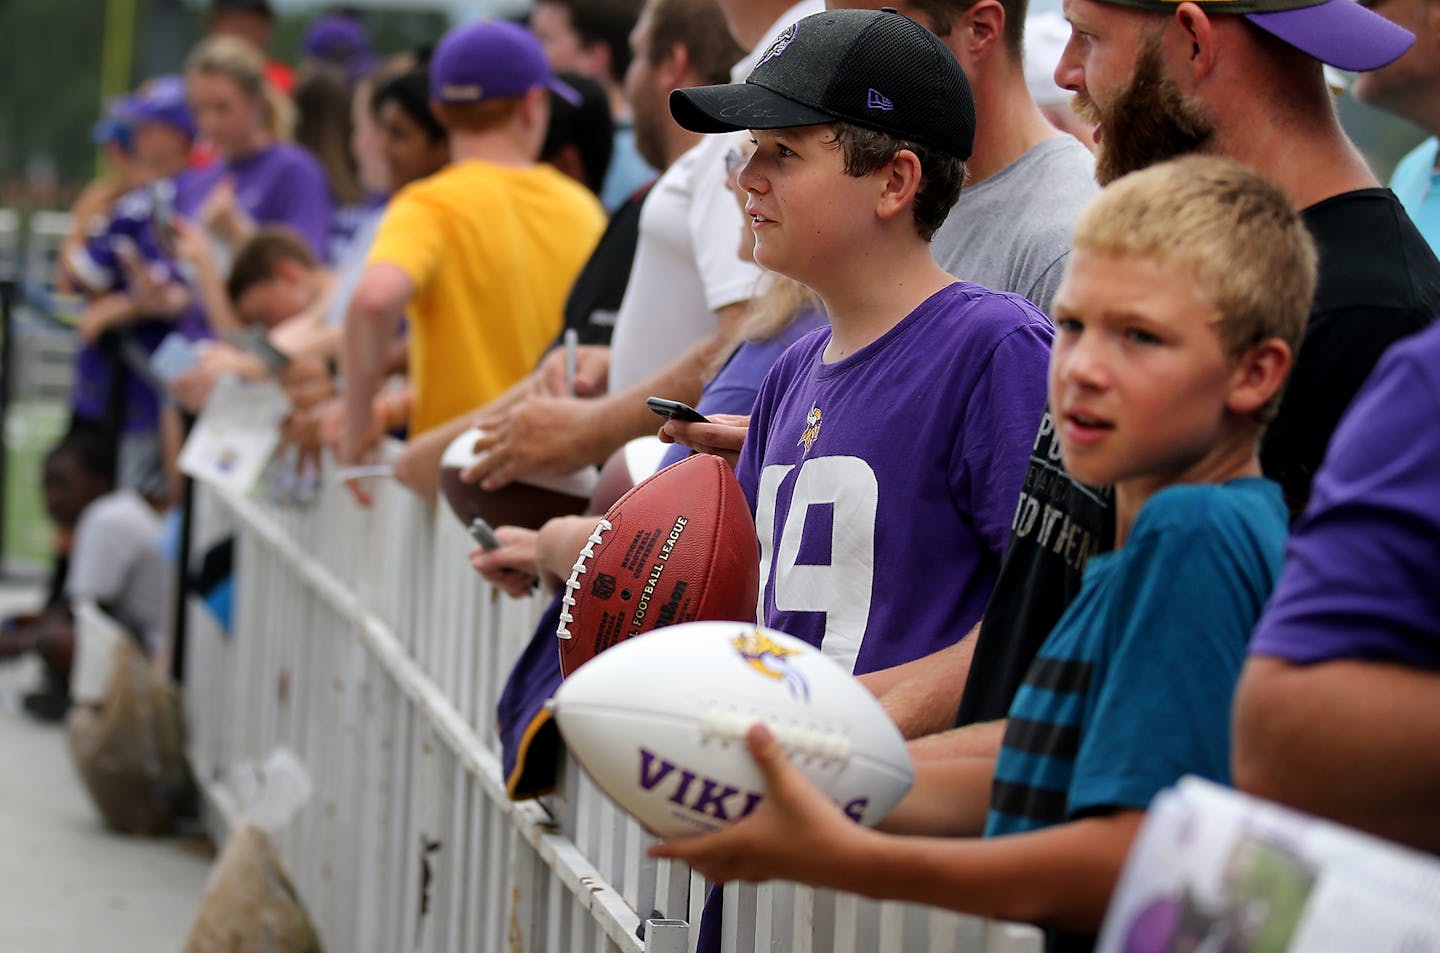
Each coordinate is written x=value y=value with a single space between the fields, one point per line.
x=727 y=723
x=572 y=585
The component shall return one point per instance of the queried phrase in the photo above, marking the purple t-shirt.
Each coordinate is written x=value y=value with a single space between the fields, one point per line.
x=1360 y=567
x=96 y=264
x=733 y=389
x=883 y=484
x=281 y=184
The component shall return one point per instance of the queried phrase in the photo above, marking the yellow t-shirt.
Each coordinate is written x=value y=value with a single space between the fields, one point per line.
x=492 y=251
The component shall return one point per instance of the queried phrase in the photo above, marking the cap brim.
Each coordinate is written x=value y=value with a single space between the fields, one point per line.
x=1339 y=32
x=735 y=106
x=565 y=91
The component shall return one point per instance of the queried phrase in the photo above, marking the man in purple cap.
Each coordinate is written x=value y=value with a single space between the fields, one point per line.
x=339 y=42
x=1241 y=78
x=480 y=254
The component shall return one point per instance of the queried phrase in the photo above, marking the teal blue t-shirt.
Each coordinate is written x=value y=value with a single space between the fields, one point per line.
x=1133 y=687
x=1417 y=185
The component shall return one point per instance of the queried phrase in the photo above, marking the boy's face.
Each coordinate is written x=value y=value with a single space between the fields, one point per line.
x=802 y=206
x=288 y=292
x=410 y=154
x=1139 y=381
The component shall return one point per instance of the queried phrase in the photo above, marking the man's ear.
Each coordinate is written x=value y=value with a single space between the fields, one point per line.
x=595 y=59
x=535 y=108
x=901 y=185
x=982 y=29
x=674 y=69
x=1195 y=45
x=287 y=269
x=1258 y=375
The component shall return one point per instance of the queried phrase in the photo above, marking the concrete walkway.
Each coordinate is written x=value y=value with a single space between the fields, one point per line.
x=66 y=883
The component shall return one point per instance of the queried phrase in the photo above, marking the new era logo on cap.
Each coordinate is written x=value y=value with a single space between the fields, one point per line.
x=877 y=100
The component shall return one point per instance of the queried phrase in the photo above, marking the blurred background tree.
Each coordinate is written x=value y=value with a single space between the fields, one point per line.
x=56 y=50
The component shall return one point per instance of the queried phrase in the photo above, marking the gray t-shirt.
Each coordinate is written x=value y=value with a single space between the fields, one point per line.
x=116 y=562
x=1012 y=231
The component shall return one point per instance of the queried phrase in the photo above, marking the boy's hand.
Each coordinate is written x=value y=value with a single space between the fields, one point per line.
x=307 y=382
x=797 y=833
x=513 y=567
x=723 y=436
x=150 y=296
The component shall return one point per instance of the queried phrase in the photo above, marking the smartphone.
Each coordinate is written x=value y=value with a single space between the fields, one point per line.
x=175 y=355
x=253 y=341
x=481 y=532
x=674 y=410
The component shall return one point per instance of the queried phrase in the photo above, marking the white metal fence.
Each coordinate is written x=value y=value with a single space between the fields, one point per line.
x=365 y=643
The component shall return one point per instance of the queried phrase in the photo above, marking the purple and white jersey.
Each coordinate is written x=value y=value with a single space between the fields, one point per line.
x=96 y=264
x=883 y=485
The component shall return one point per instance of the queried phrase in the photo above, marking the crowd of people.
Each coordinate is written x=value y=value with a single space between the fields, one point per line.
x=1094 y=432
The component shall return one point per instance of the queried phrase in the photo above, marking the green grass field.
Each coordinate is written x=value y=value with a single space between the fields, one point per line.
x=30 y=431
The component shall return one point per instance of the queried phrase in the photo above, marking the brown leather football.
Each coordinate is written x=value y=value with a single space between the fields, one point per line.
x=528 y=502
x=679 y=547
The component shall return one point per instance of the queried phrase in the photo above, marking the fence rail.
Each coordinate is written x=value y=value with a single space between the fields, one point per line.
x=364 y=643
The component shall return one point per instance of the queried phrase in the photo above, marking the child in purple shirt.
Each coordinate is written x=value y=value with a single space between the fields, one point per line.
x=885 y=454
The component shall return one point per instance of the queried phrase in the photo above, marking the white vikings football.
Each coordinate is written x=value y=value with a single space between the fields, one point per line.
x=659 y=722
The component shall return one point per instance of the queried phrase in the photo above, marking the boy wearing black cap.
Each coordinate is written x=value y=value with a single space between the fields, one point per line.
x=885 y=452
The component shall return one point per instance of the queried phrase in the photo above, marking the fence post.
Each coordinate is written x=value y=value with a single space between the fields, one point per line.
x=667 y=936
x=7 y=381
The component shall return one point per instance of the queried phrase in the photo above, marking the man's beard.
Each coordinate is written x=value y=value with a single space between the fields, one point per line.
x=1149 y=121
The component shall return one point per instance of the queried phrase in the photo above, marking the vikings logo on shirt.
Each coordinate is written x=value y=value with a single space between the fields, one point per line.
x=812 y=428
x=762 y=654
x=781 y=43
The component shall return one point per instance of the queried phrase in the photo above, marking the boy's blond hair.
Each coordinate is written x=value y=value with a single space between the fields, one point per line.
x=1230 y=228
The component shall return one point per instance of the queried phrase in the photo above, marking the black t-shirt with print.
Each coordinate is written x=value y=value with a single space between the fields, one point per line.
x=1379 y=282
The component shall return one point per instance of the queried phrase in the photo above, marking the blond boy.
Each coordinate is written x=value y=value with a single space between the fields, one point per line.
x=1177 y=320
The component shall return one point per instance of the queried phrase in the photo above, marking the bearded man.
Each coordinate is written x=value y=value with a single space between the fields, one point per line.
x=1244 y=79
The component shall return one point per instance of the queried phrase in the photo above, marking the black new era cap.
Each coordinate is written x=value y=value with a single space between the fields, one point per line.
x=875 y=68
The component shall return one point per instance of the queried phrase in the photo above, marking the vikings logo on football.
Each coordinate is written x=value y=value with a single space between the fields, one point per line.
x=767 y=657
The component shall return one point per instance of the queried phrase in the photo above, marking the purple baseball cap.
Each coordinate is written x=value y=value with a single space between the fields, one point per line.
x=160 y=100
x=114 y=126
x=491 y=59
x=1341 y=33
x=340 y=40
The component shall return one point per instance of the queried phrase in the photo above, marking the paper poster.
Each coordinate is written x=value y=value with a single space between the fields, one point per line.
x=1217 y=871
x=236 y=435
